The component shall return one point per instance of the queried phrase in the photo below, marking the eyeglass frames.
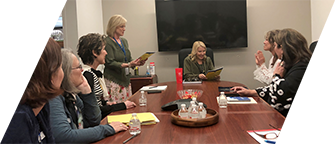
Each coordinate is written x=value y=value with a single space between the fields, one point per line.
x=268 y=136
x=78 y=67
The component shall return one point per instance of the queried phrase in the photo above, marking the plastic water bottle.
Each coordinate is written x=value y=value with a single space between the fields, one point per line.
x=152 y=68
x=148 y=70
x=222 y=100
x=195 y=100
x=190 y=106
x=183 y=113
x=202 y=111
x=143 y=99
x=134 y=125
x=194 y=113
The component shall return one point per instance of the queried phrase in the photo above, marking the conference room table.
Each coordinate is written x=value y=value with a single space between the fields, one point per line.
x=233 y=124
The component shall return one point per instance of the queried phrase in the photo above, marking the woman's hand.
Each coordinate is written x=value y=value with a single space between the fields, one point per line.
x=217 y=77
x=202 y=76
x=129 y=104
x=259 y=58
x=243 y=91
x=118 y=126
x=84 y=87
x=280 y=69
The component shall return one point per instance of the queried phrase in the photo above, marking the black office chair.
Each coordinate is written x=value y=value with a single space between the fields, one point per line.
x=315 y=48
x=183 y=53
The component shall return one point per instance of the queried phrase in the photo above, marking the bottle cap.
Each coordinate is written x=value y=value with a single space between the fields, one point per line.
x=192 y=102
x=222 y=93
x=194 y=99
x=142 y=92
x=183 y=105
x=200 y=103
x=134 y=114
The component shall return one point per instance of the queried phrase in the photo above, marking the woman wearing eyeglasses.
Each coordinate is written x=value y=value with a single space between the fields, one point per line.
x=75 y=115
x=91 y=49
x=292 y=48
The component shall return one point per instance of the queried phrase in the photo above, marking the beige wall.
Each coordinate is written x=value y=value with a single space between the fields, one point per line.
x=263 y=15
x=320 y=10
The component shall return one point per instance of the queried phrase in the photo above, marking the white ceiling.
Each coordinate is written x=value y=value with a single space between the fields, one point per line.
x=35 y=23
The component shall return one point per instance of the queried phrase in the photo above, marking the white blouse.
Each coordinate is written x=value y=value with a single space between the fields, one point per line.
x=264 y=74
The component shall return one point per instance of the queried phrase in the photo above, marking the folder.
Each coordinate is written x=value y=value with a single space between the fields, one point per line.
x=146 y=118
x=146 y=55
x=211 y=74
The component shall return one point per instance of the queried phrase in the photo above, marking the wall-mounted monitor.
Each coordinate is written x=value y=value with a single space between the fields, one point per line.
x=218 y=23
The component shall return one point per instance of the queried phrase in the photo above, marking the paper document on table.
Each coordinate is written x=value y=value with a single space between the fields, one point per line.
x=146 y=118
x=230 y=101
x=153 y=88
x=291 y=139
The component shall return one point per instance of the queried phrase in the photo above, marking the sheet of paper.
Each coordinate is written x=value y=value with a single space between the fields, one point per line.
x=291 y=139
x=252 y=101
x=153 y=88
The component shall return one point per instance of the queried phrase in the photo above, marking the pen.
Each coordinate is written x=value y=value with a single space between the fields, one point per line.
x=152 y=87
x=271 y=142
x=130 y=138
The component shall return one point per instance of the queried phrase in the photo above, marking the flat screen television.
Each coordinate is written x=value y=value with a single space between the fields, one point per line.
x=218 y=23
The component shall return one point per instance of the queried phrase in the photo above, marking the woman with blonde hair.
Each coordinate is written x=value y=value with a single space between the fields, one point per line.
x=118 y=60
x=197 y=64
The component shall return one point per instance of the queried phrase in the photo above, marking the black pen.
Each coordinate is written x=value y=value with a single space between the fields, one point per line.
x=129 y=138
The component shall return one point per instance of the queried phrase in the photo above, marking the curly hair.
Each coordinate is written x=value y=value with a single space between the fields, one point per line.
x=92 y=42
x=28 y=64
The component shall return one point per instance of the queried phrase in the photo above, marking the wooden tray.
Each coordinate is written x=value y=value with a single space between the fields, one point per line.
x=212 y=118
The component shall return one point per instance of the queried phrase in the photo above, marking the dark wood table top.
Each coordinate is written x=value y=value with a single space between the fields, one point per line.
x=231 y=128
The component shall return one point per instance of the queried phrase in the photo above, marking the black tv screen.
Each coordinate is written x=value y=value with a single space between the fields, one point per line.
x=218 y=23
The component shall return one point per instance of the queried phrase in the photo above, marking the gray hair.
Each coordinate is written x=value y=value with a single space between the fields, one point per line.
x=67 y=84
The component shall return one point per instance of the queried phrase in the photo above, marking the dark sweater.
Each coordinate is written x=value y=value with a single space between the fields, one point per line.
x=281 y=92
x=192 y=69
x=25 y=127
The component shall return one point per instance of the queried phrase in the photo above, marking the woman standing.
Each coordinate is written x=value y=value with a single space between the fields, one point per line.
x=197 y=64
x=118 y=61
x=291 y=47
x=262 y=73
x=31 y=120
x=75 y=115
x=91 y=49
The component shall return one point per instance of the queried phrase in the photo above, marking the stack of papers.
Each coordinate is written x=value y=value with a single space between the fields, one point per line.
x=239 y=100
x=291 y=139
x=146 y=118
x=153 y=88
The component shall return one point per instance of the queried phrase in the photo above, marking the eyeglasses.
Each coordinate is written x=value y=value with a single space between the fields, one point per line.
x=268 y=136
x=78 y=67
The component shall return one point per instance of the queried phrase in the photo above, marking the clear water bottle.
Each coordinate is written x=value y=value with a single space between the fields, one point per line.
x=134 y=125
x=190 y=107
x=223 y=100
x=194 y=113
x=183 y=113
x=143 y=99
x=195 y=100
x=202 y=111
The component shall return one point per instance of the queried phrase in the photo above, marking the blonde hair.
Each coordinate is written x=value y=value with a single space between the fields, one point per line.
x=195 y=47
x=113 y=23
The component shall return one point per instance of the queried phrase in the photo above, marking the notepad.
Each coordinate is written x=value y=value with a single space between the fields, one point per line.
x=146 y=55
x=238 y=99
x=252 y=101
x=146 y=118
x=211 y=74
x=291 y=139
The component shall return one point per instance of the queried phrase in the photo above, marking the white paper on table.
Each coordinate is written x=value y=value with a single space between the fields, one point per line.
x=252 y=101
x=153 y=88
x=291 y=139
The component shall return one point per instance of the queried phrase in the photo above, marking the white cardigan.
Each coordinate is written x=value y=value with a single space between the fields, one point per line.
x=264 y=74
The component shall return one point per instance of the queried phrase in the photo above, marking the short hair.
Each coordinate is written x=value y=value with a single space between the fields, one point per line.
x=195 y=47
x=269 y=36
x=113 y=23
x=294 y=46
x=89 y=43
x=67 y=85
x=28 y=64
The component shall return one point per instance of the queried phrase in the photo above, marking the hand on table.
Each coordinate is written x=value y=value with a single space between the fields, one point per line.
x=243 y=91
x=308 y=126
x=118 y=126
x=129 y=104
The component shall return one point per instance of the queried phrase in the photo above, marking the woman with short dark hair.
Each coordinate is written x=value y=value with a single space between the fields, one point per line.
x=31 y=123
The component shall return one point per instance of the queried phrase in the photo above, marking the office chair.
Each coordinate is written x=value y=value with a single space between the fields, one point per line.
x=183 y=53
x=315 y=48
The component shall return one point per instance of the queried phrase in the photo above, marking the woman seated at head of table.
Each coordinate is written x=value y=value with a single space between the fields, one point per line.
x=197 y=64
x=291 y=47
x=91 y=50
x=31 y=118
x=75 y=115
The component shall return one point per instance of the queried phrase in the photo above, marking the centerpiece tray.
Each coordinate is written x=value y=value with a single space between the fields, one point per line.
x=212 y=118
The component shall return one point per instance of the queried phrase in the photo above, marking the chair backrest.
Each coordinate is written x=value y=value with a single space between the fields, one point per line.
x=315 y=48
x=183 y=53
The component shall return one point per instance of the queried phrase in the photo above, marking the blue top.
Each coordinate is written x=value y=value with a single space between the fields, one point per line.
x=25 y=127
x=64 y=128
